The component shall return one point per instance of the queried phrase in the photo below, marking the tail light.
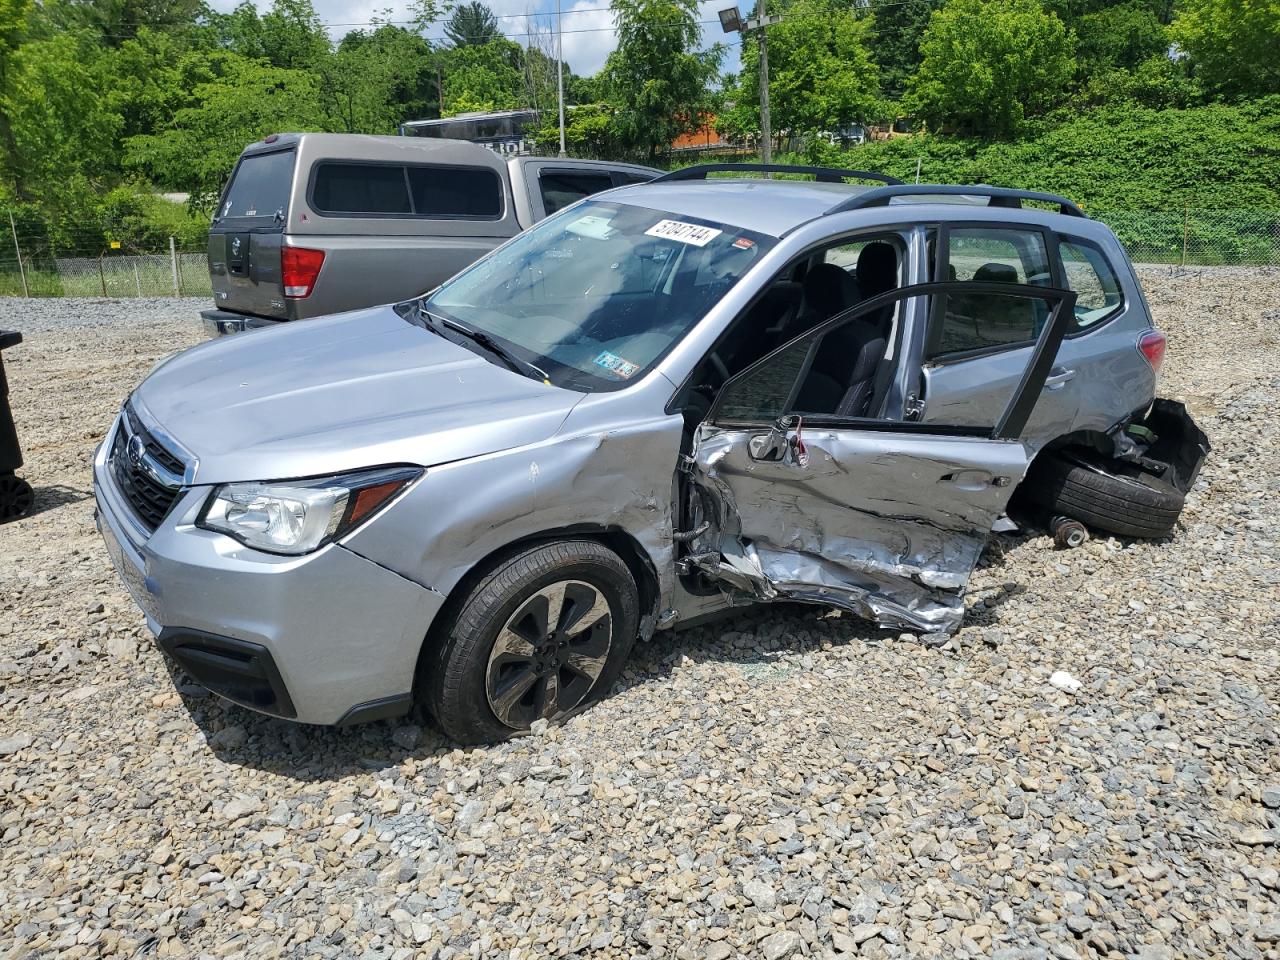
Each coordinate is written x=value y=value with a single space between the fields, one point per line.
x=299 y=268
x=1152 y=344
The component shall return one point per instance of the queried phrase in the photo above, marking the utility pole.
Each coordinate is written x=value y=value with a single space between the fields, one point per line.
x=766 y=132
x=731 y=22
x=560 y=74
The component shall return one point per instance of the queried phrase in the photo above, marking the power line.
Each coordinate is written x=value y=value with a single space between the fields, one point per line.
x=528 y=16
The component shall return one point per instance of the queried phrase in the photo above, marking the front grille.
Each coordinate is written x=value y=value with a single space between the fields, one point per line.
x=150 y=498
x=169 y=461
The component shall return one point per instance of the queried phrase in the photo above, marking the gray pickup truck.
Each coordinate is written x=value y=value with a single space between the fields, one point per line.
x=318 y=223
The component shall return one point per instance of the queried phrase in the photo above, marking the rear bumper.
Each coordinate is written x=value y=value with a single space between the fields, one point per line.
x=327 y=638
x=1180 y=445
x=219 y=323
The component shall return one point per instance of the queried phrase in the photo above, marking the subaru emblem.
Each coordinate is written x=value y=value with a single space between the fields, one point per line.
x=136 y=449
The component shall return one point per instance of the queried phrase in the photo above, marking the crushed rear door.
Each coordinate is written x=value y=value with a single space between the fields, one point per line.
x=884 y=518
x=247 y=234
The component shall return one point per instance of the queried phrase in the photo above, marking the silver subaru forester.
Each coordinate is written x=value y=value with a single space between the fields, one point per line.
x=658 y=402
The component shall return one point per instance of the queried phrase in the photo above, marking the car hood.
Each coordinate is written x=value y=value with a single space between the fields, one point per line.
x=340 y=393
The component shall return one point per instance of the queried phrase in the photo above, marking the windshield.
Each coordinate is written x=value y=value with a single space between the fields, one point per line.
x=597 y=295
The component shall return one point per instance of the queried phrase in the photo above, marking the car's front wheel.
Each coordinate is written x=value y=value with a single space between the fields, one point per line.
x=543 y=633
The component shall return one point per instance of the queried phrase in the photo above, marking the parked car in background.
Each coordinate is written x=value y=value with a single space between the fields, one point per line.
x=319 y=223
x=656 y=404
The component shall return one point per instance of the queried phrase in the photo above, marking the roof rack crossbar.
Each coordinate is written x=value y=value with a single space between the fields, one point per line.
x=821 y=174
x=996 y=196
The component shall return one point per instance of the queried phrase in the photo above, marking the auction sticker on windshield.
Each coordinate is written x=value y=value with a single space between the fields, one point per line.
x=691 y=233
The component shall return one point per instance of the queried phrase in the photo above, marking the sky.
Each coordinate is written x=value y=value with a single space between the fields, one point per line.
x=587 y=24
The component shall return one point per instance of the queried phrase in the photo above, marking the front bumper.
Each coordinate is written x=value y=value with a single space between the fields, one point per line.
x=220 y=323
x=328 y=638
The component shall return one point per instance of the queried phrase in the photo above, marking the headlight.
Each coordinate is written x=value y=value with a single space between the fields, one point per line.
x=299 y=516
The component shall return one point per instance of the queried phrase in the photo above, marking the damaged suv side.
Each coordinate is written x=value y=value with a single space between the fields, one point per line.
x=659 y=402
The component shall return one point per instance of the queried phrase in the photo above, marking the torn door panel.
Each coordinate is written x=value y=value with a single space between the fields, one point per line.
x=888 y=525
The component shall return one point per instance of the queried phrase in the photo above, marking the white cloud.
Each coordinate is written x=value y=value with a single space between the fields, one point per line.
x=589 y=36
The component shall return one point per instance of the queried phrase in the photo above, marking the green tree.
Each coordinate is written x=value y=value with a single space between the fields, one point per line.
x=377 y=79
x=483 y=78
x=471 y=25
x=821 y=75
x=1123 y=35
x=117 y=21
x=588 y=132
x=1234 y=45
x=897 y=28
x=657 y=79
x=59 y=131
x=289 y=35
x=249 y=100
x=988 y=64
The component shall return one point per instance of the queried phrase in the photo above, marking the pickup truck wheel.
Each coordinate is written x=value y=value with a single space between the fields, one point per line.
x=1129 y=506
x=542 y=635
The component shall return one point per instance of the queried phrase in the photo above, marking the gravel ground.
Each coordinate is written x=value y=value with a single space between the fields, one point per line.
x=788 y=783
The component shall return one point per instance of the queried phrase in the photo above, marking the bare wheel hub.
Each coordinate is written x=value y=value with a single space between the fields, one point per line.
x=549 y=654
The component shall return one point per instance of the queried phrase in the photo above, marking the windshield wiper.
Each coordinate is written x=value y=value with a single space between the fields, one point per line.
x=518 y=364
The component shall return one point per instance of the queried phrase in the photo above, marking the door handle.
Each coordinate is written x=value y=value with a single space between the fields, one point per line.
x=1057 y=378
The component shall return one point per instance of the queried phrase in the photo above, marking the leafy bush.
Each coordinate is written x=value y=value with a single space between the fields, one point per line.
x=1116 y=158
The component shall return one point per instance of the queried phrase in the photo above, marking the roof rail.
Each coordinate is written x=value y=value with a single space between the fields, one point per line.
x=997 y=196
x=822 y=174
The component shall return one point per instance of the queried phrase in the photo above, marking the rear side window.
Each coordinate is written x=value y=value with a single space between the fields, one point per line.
x=456 y=192
x=386 y=189
x=360 y=188
x=986 y=321
x=260 y=186
x=561 y=188
x=1089 y=274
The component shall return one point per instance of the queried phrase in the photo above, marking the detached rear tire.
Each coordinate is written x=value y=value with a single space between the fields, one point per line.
x=543 y=634
x=1129 y=506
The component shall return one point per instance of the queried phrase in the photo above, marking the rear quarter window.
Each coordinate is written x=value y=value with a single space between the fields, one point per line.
x=260 y=186
x=1090 y=275
x=456 y=192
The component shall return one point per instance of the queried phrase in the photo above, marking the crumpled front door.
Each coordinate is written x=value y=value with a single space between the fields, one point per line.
x=886 y=519
x=886 y=524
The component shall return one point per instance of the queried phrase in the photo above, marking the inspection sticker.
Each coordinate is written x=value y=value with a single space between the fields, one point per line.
x=615 y=364
x=691 y=233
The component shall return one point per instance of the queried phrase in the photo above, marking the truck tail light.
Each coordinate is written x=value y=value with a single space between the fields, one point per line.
x=1152 y=344
x=299 y=268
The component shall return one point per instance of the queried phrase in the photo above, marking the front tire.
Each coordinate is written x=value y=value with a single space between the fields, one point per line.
x=541 y=635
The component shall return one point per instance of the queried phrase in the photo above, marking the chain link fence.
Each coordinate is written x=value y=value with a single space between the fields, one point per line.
x=1197 y=237
x=1183 y=237
x=176 y=273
